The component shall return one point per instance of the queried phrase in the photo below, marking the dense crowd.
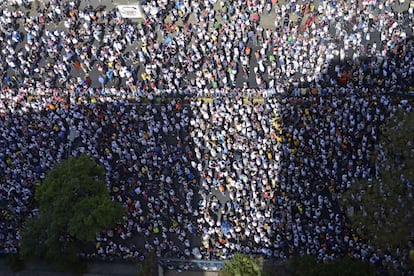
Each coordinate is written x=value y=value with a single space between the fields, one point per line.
x=264 y=178
x=75 y=47
x=272 y=172
x=284 y=165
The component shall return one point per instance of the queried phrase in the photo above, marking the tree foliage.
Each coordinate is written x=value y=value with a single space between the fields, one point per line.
x=74 y=205
x=241 y=265
x=382 y=210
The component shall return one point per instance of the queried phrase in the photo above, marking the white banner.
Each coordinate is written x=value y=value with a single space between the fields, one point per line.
x=130 y=11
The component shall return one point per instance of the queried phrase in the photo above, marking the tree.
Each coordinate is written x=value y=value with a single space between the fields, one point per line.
x=241 y=265
x=74 y=205
x=382 y=211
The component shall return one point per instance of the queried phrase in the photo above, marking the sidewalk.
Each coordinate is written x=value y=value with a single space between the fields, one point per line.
x=94 y=269
x=38 y=268
x=190 y=273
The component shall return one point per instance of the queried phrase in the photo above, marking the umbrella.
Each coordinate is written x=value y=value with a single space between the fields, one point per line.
x=225 y=227
x=154 y=10
x=217 y=25
x=255 y=16
x=168 y=40
x=16 y=36
x=244 y=178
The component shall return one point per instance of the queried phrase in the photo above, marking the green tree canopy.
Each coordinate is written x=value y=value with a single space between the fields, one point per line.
x=382 y=211
x=74 y=205
x=241 y=265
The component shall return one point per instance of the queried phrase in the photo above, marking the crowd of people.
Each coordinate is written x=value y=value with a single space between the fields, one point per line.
x=264 y=178
x=194 y=47
x=284 y=165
